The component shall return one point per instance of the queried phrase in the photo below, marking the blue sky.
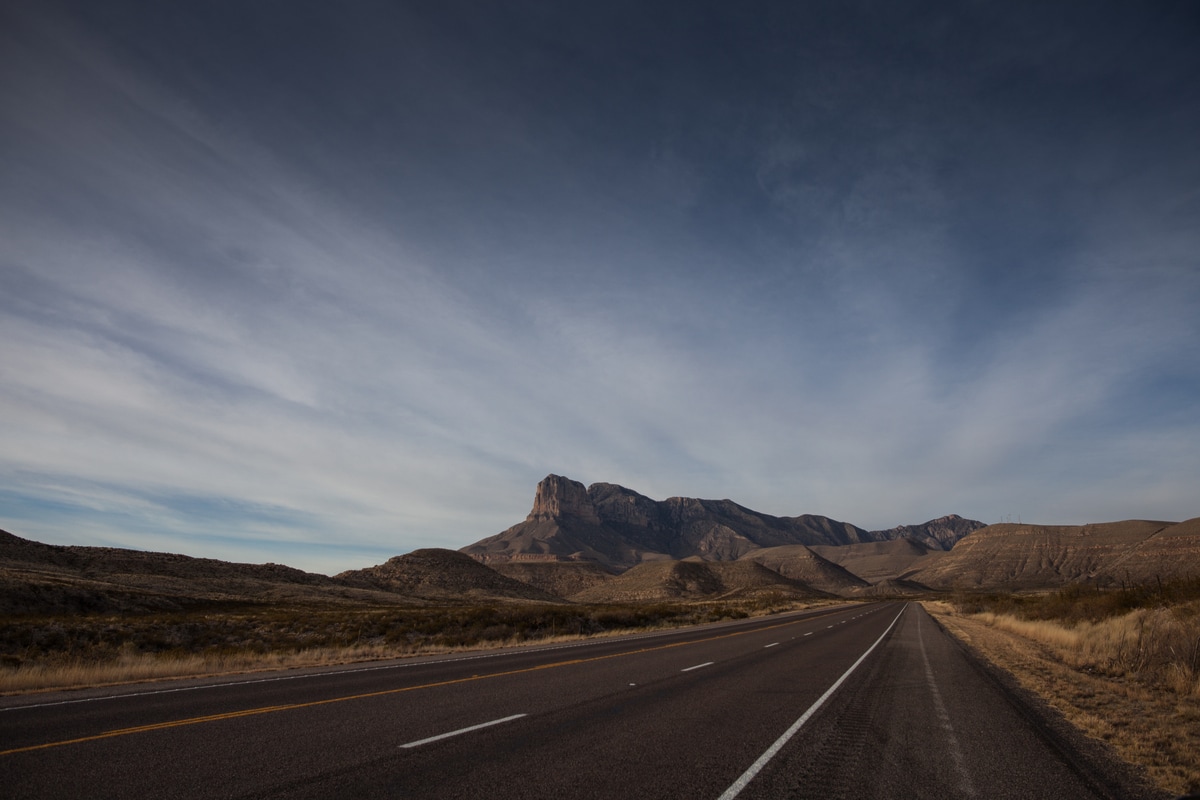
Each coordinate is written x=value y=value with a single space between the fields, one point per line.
x=323 y=283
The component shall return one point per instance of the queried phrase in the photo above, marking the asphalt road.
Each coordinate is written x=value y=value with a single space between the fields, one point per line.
x=862 y=701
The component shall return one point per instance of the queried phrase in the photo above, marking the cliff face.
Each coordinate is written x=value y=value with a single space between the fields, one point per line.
x=557 y=497
x=619 y=528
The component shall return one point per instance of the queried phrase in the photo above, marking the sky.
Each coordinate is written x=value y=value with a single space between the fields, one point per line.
x=322 y=283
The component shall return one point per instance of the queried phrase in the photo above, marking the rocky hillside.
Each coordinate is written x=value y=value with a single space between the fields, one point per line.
x=618 y=528
x=1009 y=556
x=437 y=574
x=561 y=579
x=1172 y=552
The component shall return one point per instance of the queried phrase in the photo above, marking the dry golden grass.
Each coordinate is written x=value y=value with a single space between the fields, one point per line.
x=131 y=667
x=1129 y=681
x=1156 y=646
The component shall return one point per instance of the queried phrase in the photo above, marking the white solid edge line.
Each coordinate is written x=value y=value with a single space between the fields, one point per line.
x=698 y=666
x=747 y=776
x=441 y=736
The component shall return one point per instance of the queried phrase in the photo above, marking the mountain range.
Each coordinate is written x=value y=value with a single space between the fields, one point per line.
x=618 y=528
x=612 y=528
x=608 y=544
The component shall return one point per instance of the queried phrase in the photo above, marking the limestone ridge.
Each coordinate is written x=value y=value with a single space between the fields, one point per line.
x=619 y=528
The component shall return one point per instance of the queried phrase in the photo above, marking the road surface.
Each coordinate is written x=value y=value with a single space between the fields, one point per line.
x=859 y=701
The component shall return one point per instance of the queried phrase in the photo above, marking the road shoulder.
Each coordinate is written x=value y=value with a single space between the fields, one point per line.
x=1073 y=711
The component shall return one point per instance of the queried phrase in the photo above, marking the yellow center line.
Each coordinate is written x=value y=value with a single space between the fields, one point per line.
x=270 y=709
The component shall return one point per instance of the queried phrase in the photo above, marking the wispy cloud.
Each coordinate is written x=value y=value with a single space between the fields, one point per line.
x=209 y=343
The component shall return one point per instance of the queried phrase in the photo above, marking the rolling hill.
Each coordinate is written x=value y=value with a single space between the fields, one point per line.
x=695 y=580
x=438 y=574
x=804 y=564
x=877 y=561
x=42 y=578
x=558 y=578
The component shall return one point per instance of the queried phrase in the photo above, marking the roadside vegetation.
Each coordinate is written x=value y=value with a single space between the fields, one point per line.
x=1149 y=633
x=55 y=652
x=1122 y=664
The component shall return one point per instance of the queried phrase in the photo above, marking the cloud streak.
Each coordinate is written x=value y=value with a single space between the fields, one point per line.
x=212 y=343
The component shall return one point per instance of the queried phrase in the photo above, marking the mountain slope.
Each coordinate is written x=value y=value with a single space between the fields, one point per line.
x=804 y=564
x=1039 y=556
x=936 y=534
x=877 y=561
x=1173 y=552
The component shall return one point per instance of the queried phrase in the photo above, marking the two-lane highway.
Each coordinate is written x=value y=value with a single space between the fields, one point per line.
x=866 y=700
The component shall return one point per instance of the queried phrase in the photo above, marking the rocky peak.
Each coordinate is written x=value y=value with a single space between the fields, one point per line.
x=559 y=497
x=941 y=533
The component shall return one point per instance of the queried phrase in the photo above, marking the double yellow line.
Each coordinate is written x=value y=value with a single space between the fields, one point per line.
x=158 y=726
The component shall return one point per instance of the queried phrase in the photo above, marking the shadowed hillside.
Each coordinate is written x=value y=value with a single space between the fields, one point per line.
x=42 y=578
x=695 y=580
x=437 y=574
x=804 y=564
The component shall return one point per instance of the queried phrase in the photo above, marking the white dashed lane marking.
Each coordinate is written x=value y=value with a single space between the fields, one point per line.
x=460 y=731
